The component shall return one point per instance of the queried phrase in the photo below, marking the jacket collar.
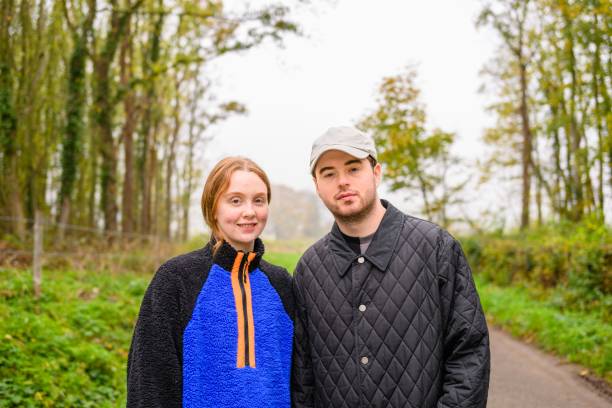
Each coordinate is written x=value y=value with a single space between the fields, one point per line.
x=381 y=248
x=226 y=255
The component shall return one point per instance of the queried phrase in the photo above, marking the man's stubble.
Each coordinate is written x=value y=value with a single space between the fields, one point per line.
x=369 y=202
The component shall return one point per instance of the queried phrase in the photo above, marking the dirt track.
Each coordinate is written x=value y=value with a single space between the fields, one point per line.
x=522 y=376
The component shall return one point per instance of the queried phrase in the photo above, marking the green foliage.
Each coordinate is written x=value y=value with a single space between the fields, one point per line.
x=570 y=263
x=70 y=348
x=577 y=336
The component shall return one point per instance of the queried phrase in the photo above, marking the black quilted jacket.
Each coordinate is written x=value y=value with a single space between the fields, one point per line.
x=400 y=326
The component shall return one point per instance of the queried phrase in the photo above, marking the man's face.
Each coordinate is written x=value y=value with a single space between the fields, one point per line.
x=347 y=185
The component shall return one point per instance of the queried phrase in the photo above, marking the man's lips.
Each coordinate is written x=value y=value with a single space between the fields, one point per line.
x=347 y=194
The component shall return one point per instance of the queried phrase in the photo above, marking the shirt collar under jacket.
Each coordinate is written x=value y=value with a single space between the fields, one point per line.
x=226 y=255
x=381 y=248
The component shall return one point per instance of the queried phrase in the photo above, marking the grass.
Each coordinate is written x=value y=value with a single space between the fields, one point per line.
x=286 y=260
x=579 y=337
x=68 y=349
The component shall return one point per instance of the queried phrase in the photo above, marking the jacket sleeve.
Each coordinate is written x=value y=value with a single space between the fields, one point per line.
x=154 y=374
x=302 y=378
x=466 y=341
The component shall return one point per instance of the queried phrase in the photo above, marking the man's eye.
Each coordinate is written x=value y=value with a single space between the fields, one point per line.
x=354 y=169
x=327 y=175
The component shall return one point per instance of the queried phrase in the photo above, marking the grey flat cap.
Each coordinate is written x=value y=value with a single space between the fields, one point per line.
x=344 y=138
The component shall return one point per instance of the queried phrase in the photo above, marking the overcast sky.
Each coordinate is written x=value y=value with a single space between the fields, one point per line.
x=329 y=77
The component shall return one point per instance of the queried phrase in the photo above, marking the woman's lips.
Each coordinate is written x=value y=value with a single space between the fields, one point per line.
x=247 y=227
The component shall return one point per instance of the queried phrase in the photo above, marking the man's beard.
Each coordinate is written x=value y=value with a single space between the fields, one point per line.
x=359 y=215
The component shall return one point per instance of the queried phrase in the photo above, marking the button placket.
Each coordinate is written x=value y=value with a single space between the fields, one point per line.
x=359 y=274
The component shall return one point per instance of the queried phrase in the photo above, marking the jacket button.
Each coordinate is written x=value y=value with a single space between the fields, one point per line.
x=361 y=259
x=364 y=360
x=362 y=308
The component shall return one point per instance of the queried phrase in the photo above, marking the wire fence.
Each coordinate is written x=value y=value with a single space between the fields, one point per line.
x=44 y=243
x=72 y=227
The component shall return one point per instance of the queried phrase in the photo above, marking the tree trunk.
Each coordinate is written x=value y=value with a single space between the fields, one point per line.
x=10 y=197
x=127 y=135
x=103 y=108
x=598 y=113
x=188 y=173
x=75 y=105
x=93 y=165
x=539 y=183
x=170 y=163
x=574 y=135
x=108 y=151
x=149 y=124
x=527 y=145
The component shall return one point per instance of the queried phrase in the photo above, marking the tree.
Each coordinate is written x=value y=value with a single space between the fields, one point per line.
x=75 y=107
x=10 y=197
x=550 y=82
x=511 y=23
x=107 y=98
x=411 y=155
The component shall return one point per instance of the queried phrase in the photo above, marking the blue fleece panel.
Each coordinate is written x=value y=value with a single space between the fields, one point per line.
x=210 y=341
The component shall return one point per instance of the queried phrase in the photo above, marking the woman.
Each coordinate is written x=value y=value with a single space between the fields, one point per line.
x=215 y=326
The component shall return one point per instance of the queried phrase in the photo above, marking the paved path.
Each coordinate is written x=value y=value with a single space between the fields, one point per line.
x=522 y=376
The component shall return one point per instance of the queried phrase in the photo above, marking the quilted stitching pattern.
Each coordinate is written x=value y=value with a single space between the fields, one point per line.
x=423 y=331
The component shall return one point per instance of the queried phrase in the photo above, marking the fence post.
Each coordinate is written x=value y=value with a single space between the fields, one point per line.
x=37 y=256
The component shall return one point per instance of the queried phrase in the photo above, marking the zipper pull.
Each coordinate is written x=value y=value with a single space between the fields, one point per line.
x=246 y=271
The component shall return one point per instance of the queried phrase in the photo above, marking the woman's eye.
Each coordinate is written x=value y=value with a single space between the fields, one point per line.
x=235 y=200
x=260 y=200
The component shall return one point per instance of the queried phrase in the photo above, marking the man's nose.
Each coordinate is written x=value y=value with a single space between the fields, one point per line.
x=343 y=180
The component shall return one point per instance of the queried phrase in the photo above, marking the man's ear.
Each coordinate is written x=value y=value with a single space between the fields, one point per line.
x=314 y=180
x=377 y=170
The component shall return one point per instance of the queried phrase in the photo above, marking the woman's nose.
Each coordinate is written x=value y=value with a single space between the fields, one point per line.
x=248 y=211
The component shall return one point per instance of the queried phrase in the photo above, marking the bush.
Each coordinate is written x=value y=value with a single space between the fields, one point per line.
x=69 y=348
x=568 y=263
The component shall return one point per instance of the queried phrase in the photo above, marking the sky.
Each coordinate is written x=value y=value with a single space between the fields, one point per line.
x=329 y=77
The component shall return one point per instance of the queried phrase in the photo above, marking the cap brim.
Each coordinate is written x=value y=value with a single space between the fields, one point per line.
x=357 y=153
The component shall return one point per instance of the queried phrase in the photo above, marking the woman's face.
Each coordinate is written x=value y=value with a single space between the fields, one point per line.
x=242 y=210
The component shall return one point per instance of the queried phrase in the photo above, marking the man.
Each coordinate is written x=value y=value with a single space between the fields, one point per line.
x=388 y=315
